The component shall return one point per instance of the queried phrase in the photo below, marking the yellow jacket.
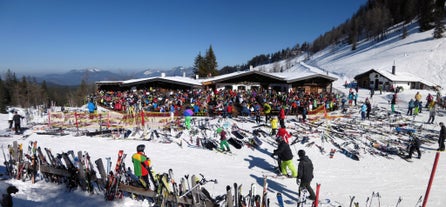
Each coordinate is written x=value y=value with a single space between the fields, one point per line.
x=274 y=123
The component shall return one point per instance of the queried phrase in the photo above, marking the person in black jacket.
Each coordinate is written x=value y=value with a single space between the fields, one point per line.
x=441 y=137
x=305 y=174
x=7 y=198
x=414 y=145
x=16 y=118
x=285 y=159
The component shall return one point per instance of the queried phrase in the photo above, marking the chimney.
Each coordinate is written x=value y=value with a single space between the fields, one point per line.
x=393 y=68
x=251 y=67
x=196 y=77
x=184 y=74
x=163 y=75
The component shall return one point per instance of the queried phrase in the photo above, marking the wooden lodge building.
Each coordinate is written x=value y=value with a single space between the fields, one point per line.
x=387 y=81
x=243 y=80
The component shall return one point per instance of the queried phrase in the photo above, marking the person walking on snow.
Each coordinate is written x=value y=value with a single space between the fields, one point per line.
x=285 y=158
x=441 y=137
x=224 y=146
x=142 y=165
x=305 y=174
x=432 y=112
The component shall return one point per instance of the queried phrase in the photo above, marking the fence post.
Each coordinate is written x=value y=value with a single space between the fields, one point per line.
x=142 y=118
x=434 y=168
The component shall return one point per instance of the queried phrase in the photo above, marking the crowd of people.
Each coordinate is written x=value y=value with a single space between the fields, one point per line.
x=226 y=103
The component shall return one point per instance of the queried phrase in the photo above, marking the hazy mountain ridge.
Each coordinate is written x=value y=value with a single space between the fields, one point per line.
x=91 y=75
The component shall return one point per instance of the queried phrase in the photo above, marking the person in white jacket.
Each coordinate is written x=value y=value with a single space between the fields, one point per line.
x=10 y=115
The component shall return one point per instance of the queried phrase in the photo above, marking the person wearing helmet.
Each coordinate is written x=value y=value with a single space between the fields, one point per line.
x=285 y=158
x=283 y=133
x=305 y=174
x=142 y=166
x=7 y=198
x=441 y=137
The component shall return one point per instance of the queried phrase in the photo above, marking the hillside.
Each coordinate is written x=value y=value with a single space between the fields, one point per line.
x=418 y=53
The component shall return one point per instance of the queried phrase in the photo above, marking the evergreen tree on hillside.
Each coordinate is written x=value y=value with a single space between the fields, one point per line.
x=426 y=9
x=3 y=104
x=207 y=65
x=439 y=19
x=211 y=62
x=199 y=66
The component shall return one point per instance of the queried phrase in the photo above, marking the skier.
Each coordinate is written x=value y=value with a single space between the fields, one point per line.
x=418 y=99
x=283 y=133
x=369 y=107
x=363 y=111
x=7 y=198
x=414 y=145
x=10 y=116
x=257 y=112
x=392 y=103
x=267 y=111
x=432 y=112
x=224 y=146
x=282 y=116
x=285 y=158
x=273 y=126
x=16 y=118
x=411 y=105
x=91 y=106
x=441 y=137
x=142 y=165
x=305 y=174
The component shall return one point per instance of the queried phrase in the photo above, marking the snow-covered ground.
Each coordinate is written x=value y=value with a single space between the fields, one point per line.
x=340 y=177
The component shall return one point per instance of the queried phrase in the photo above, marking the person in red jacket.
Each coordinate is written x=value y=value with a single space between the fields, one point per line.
x=282 y=117
x=283 y=133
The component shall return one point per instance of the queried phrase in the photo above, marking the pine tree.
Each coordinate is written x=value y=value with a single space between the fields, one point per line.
x=426 y=14
x=211 y=62
x=199 y=65
x=3 y=104
x=205 y=66
x=439 y=15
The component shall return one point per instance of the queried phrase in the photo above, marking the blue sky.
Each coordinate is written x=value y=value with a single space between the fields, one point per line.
x=57 y=36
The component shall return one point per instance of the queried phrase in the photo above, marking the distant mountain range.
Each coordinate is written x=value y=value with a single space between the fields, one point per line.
x=91 y=75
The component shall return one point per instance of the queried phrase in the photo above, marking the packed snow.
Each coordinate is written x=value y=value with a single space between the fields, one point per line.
x=340 y=176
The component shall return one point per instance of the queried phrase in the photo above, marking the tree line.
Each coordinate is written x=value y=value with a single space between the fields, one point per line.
x=373 y=19
x=27 y=92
